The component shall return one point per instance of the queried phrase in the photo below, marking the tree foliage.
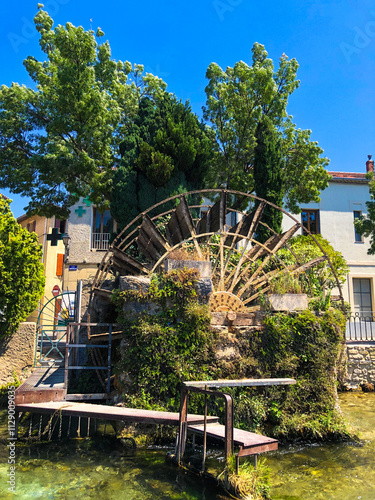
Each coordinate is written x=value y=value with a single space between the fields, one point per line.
x=237 y=99
x=321 y=278
x=21 y=271
x=166 y=151
x=268 y=177
x=61 y=140
x=365 y=224
x=88 y=116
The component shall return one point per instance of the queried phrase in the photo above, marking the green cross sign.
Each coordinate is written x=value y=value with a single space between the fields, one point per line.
x=54 y=237
x=80 y=211
x=87 y=202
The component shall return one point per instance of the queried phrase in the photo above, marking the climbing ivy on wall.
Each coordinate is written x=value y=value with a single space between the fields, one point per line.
x=303 y=346
x=161 y=351
x=165 y=349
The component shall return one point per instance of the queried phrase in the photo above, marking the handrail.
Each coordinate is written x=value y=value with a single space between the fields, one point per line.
x=360 y=327
x=70 y=343
x=228 y=442
x=201 y=386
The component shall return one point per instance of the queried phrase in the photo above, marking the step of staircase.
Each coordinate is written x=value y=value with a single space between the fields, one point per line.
x=249 y=443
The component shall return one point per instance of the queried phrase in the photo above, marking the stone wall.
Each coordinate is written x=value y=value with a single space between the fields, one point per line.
x=17 y=353
x=361 y=365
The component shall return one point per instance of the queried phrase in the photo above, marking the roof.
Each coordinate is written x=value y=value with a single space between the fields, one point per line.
x=21 y=218
x=352 y=177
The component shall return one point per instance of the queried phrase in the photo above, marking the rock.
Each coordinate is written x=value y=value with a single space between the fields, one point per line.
x=367 y=387
x=137 y=283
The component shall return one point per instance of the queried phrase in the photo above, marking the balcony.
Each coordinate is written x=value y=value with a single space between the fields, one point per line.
x=361 y=327
x=100 y=241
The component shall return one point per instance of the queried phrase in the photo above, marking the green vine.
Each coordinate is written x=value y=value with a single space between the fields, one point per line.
x=165 y=349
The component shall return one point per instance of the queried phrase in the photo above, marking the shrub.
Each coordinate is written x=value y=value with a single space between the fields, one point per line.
x=21 y=271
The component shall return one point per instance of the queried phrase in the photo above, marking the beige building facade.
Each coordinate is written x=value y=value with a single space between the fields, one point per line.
x=333 y=217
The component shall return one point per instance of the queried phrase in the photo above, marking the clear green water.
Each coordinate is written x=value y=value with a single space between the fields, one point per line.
x=101 y=468
x=333 y=471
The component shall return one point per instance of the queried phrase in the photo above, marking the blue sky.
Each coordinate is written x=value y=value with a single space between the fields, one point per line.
x=333 y=41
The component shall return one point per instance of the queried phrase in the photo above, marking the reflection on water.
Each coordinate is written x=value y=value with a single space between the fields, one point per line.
x=334 y=471
x=101 y=468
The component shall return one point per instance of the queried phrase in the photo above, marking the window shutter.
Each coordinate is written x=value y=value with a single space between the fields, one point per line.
x=59 y=265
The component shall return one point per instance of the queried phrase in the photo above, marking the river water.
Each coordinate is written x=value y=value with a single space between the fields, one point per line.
x=101 y=468
x=334 y=471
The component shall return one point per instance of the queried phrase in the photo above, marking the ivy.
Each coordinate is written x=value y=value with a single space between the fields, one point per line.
x=166 y=349
x=161 y=351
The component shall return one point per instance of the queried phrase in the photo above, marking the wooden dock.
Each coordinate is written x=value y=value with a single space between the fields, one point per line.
x=249 y=443
x=44 y=384
x=105 y=412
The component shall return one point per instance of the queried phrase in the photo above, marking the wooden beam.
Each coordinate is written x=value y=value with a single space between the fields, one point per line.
x=246 y=382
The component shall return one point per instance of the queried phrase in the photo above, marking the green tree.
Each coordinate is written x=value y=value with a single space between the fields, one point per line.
x=321 y=278
x=365 y=224
x=21 y=271
x=166 y=151
x=61 y=139
x=237 y=99
x=268 y=176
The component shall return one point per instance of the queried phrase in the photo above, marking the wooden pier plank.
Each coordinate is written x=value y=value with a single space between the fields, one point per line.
x=105 y=412
x=246 y=382
x=250 y=443
x=44 y=384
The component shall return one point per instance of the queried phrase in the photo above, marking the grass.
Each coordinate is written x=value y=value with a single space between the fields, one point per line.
x=250 y=483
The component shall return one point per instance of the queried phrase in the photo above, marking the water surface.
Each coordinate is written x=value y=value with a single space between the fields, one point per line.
x=101 y=468
x=333 y=471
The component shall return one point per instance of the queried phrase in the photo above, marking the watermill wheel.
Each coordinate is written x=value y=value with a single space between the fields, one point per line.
x=242 y=266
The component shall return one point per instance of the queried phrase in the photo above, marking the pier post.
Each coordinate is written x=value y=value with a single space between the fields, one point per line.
x=204 y=430
x=182 y=425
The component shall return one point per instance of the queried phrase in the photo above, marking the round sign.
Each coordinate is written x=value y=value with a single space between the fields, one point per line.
x=55 y=290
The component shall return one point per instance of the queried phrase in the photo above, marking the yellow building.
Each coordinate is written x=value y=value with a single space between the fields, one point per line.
x=89 y=235
x=53 y=252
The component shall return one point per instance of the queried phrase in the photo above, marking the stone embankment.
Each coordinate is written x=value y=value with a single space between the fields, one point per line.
x=361 y=365
x=17 y=353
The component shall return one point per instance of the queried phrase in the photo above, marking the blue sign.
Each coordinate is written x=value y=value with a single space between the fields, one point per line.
x=73 y=268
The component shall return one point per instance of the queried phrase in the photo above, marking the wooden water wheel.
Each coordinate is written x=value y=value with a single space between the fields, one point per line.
x=242 y=267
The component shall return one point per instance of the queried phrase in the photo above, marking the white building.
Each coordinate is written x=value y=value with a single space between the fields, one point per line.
x=333 y=217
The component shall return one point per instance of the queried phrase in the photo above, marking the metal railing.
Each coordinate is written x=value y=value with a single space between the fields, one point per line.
x=360 y=327
x=100 y=241
x=71 y=358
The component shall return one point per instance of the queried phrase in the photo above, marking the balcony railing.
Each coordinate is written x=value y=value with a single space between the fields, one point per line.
x=100 y=241
x=361 y=327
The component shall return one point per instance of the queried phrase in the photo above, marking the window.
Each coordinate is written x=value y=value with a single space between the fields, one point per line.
x=102 y=229
x=362 y=296
x=357 y=214
x=31 y=226
x=310 y=219
x=60 y=224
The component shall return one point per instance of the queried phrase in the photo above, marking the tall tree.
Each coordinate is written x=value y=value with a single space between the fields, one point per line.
x=268 y=176
x=237 y=99
x=61 y=139
x=21 y=271
x=167 y=151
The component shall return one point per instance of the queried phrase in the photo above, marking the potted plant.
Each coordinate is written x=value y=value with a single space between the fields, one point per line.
x=286 y=294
